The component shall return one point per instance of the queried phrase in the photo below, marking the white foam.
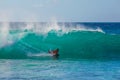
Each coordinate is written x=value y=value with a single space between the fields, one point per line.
x=40 y=29
x=4 y=32
x=53 y=26
x=39 y=54
x=5 y=37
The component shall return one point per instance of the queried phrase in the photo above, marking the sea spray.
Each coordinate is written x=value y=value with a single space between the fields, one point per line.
x=4 y=34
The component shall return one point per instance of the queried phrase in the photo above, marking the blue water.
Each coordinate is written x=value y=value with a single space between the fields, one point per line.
x=59 y=70
x=88 y=51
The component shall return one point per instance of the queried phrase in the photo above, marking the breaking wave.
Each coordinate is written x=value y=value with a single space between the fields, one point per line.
x=74 y=41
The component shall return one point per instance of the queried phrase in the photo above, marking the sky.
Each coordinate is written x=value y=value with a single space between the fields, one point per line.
x=60 y=10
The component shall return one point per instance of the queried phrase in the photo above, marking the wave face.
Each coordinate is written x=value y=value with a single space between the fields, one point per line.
x=74 y=42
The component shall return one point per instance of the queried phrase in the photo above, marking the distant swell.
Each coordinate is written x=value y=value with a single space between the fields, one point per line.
x=72 y=45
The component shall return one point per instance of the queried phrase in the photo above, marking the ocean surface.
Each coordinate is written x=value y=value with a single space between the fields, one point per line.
x=88 y=51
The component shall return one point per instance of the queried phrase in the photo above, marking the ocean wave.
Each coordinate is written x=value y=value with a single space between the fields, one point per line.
x=73 y=45
x=10 y=34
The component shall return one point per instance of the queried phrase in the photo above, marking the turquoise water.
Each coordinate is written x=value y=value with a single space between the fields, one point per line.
x=59 y=70
x=72 y=45
x=89 y=51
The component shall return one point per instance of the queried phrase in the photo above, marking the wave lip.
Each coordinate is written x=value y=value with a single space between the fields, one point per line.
x=40 y=29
